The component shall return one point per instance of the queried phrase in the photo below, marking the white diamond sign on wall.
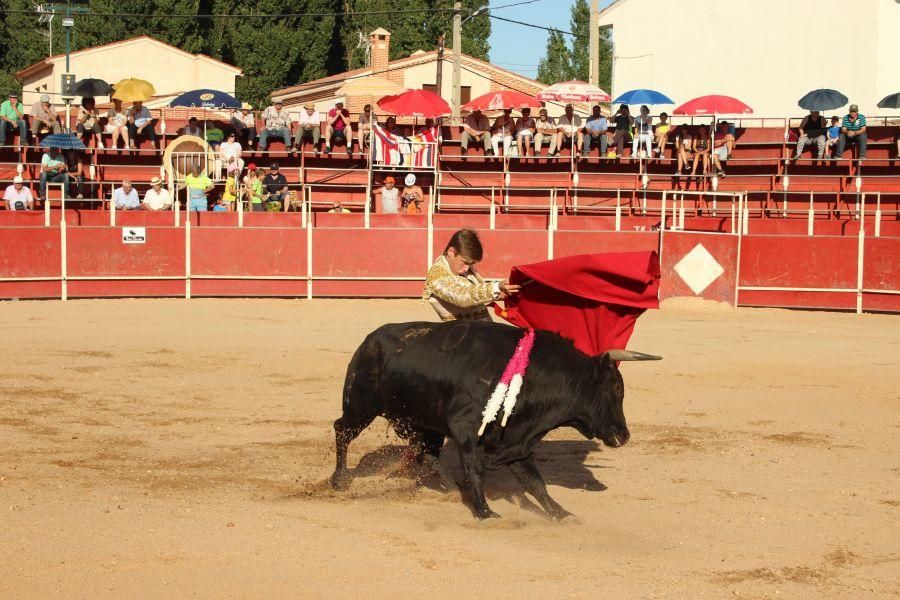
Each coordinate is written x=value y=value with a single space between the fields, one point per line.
x=698 y=269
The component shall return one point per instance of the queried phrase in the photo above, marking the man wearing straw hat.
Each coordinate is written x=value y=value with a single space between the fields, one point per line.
x=309 y=127
x=244 y=124
x=157 y=197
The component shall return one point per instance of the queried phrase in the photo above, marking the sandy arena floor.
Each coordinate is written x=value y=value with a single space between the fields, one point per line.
x=172 y=449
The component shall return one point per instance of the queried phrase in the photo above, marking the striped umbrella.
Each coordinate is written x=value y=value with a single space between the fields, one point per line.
x=573 y=91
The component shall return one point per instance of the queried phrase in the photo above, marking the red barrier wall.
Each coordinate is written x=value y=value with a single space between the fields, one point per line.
x=29 y=252
x=677 y=245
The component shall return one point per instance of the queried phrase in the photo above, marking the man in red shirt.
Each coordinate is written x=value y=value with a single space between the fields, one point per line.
x=338 y=126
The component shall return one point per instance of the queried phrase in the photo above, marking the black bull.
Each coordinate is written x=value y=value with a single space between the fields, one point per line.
x=434 y=379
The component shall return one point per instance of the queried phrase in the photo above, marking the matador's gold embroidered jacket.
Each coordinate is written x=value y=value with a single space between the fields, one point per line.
x=458 y=296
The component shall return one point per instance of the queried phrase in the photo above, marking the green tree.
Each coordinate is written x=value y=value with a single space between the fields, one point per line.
x=556 y=65
x=577 y=56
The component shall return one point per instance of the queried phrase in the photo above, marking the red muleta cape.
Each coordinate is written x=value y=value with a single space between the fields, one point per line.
x=592 y=299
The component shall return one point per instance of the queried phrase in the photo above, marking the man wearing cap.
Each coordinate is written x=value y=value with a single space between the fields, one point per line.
x=338 y=127
x=278 y=124
x=389 y=197
x=244 y=123
x=44 y=119
x=309 y=127
x=853 y=131
x=17 y=196
x=275 y=185
x=126 y=197
x=53 y=170
x=12 y=116
x=157 y=197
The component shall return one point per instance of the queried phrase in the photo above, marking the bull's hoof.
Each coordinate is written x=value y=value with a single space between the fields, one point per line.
x=340 y=481
x=486 y=514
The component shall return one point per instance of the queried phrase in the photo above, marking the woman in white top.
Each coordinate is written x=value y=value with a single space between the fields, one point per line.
x=117 y=123
x=390 y=197
x=230 y=152
x=643 y=126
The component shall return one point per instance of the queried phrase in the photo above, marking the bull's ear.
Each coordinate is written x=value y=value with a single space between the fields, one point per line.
x=622 y=355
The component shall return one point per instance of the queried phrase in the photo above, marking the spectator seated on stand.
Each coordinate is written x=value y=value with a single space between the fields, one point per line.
x=277 y=122
x=853 y=132
x=244 y=124
x=126 y=197
x=684 y=146
x=525 y=129
x=726 y=131
x=53 y=170
x=623 y=121
x=140 y=124
x=18 y=196
x=12 y=118
x=364 y=127
x=276 y=189
x=643 y=133
x=502 y=131
x=661 y=133
x=338 y=208
x=88 y=121
x=44 y=119
x=309 y=127
x=595 y=131
x=833 y=135
x=117 y=125
x=412 y=197
x=546 y=132
x=157 y=198
x=214 y=135
x=193 y=128
x=230 y=153
x=75 y=169
x=338 y=128
x=476 y=127
x=812 y=131
x=569 y=129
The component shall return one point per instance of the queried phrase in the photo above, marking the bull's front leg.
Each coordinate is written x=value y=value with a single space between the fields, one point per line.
x=528 y=475
x=473 y=466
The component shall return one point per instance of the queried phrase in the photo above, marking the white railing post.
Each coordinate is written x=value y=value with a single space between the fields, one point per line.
x=309 y=259
x=860 y=259
x=681 y=213
x=745 y=217
x=733 y=226
x=112 y=212
x=619 y=208
x=662 y=221
x=303 y=216
x=187 y=255
x=64 y=269
x=878 y=214
x=810 y=215
x=429 y=237
x=176 y=206
x=493 y=214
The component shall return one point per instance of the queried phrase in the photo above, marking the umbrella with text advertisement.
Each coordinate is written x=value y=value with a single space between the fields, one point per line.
x=415 y=103
x=573 y=91
x=206 y=99
x=822 y=100
x=500 y=101
x=643 y=97
x=133 y=90
x=713 y=105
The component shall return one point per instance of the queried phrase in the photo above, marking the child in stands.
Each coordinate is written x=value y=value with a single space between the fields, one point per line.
x=834 y=132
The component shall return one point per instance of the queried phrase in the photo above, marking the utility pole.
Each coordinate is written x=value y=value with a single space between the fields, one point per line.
x=457 y=58
x=439 y=76
x=594 y=62
x=68 y=78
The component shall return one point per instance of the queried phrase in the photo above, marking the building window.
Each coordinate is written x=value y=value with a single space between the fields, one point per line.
x=430 y=87
x=465 y=93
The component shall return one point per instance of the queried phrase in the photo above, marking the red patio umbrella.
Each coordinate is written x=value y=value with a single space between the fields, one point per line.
x=713 y=105
x=592 y=299
x=415 y=103
x=501 y=100
x=573 y=91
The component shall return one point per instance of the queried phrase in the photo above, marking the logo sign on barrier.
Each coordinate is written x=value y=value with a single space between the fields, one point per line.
x=134 y=235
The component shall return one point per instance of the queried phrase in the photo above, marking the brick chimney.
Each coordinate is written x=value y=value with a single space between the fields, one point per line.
x=379 y=50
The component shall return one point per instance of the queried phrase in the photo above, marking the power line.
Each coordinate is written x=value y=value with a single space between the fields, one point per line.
x=524 y=24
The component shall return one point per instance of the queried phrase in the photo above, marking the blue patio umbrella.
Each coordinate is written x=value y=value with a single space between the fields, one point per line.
x=891 y=101
x=64 y=141
x=643 y=97
x=206 y=99
x=822 y=99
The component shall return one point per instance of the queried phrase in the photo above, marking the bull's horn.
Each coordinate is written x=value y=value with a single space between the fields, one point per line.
x=620 y=355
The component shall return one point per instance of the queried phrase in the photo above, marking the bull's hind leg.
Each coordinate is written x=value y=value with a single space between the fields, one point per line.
x=345 y=431
x=528 y=475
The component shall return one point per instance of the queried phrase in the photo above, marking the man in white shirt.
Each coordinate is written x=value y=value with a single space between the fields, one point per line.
x=277 y=124
x=17 y=196
x=546 y=132
x=503 y=130
x=140 y=122
x=476 y=127
x=157 y=197
x=309 y=127
x=193 y=128
x=244 y=123
x=569 y=128
x=126 y=197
